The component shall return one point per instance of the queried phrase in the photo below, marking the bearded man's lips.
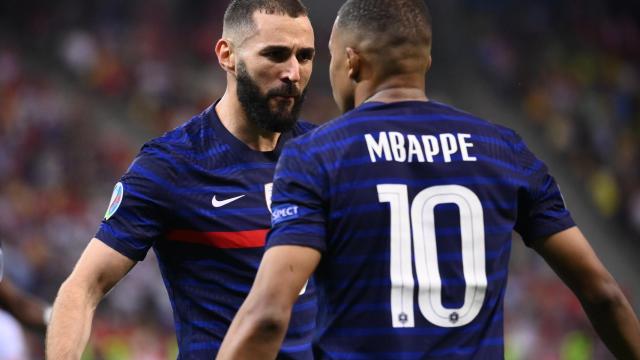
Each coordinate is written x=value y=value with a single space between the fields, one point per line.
x=291 y=93
x=284 y=98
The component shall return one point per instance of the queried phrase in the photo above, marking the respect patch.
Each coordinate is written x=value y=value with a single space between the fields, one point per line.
x=284 y=213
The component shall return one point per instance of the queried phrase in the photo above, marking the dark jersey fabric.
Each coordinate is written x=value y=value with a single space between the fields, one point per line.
x=412 y=205
x=179 y=200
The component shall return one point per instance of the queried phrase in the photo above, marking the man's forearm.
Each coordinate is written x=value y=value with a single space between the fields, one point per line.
x=70 y=325
x=616 y=323
x=254 y=335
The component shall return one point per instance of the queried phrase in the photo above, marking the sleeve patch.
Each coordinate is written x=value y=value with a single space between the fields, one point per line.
x=284 y=213
x=116 y=200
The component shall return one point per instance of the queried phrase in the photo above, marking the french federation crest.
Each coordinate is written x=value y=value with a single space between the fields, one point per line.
x=268 y=190
x=116 y=200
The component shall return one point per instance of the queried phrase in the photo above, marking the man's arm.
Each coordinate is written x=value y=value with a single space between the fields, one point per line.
x=260 y=325
x=28 y=310
x=572 y=258
x=98 y=270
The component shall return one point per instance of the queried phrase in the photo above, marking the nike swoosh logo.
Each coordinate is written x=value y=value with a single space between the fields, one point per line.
x=219 y=203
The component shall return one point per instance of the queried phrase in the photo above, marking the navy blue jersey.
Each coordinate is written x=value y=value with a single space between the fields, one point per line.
x=200 y=197
x=412 y=205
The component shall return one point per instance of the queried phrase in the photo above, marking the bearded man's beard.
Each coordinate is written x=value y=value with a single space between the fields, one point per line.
x=257 y=106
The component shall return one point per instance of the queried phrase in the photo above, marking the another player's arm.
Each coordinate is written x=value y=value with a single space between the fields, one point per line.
x=572 y=258
x=28 y=310
x=97 y=271
x=260 y=325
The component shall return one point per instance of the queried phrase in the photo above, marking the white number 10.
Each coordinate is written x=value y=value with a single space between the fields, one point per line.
x=421 y=219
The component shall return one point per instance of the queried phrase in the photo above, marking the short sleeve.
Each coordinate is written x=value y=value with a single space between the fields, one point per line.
x=541 y=207
x=298 y=204
x=136 y=218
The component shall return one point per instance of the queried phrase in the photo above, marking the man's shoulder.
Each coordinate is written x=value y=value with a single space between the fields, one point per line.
x=501 y=131
x=445 y=117
x=190 y=139
x=303 y=133
x=187 y=135
x=173 y=147
x=302 y=127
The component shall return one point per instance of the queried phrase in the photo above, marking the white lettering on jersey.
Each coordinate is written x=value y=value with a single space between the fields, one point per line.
x=377 y=148
x=415 y=151
x=449 y=146
x=284 y=212
x=464 y=147
x=431 y=147
x=398 y=147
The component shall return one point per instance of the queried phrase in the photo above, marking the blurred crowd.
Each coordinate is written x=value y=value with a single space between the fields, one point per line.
x=574 y=69
x=79 y=94
x=84 y=84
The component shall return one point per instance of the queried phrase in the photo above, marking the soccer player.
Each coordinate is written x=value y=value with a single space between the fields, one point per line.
x=200 y=194
x=405 y=208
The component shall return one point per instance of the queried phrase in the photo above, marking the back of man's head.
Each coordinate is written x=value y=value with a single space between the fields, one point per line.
x=238 y=18
x=390 y=29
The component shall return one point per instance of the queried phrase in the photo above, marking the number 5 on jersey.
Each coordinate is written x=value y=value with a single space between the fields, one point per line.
x=422 y=220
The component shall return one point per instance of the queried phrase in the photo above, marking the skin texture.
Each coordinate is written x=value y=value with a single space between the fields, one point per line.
x=98 y=270
x=357 y=75
x=572 y=258
x=278 y=50
x=358 y=72
x=260 y=325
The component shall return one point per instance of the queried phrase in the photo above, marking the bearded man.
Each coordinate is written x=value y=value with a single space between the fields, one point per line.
x=200 y=194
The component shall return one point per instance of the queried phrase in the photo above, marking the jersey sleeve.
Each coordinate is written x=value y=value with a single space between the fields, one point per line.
x=541 y=208
x=136 y=216
x=298 y=207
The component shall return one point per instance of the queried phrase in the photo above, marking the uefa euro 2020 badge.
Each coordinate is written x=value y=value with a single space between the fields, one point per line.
x=116 y=200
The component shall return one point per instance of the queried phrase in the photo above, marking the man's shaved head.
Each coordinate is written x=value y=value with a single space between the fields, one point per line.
x=238 y=18
x=402 y=20
x=394 y=29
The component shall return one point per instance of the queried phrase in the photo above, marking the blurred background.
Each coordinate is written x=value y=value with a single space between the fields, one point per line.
x=83 y=84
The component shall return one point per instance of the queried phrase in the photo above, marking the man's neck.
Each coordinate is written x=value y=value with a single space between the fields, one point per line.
x=400 y=88
x=234 y=119
x=397 y=94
